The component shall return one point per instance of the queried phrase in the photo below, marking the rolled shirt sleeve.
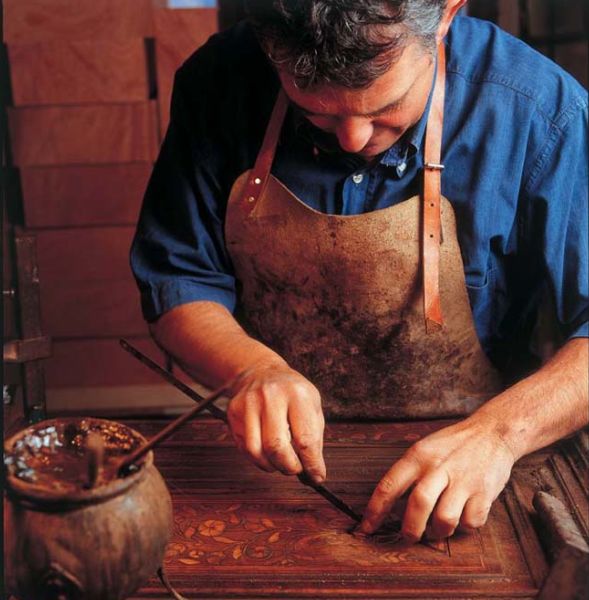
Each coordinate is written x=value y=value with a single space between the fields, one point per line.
x=178 y=254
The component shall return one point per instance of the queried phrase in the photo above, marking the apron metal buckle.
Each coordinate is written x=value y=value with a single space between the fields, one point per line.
x=433 y=166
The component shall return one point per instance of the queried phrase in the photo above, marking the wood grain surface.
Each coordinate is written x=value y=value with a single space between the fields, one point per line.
x=242 y=533
x=178 y=33
x=92 y=134
x=78 y=72
x=28 y=21
x=83 y=195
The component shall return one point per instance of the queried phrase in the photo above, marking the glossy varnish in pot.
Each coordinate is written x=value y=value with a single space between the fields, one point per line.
x=64 y=540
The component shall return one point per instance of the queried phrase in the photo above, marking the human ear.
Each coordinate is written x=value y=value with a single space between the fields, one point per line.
x=452 y=8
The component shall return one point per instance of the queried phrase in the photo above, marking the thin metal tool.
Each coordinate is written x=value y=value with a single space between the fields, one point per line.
x=170 y=378
x=166 y=432
x=330 y=497
x=220 y=414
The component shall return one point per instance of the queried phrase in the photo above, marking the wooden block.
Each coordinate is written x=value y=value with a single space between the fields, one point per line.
x=95 y=362
x=95 y=71
x=96 y=254
x=28 y=21
x=92 y=309
x=85 y=195
x=95 y=134
x=178 y=34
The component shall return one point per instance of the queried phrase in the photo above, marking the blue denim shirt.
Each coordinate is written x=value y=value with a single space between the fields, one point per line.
x=514 y=147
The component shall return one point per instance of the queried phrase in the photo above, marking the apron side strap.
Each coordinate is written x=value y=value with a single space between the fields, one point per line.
x=432 y=193
x=258 y=176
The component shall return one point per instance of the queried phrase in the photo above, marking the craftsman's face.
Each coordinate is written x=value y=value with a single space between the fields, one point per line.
x=369 y=121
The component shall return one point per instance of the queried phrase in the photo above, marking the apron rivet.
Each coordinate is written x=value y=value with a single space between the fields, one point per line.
x=251 y=199
x=257 y=181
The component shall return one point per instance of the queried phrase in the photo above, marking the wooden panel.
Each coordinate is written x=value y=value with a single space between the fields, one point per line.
x=96 y=254
x=92 y=309
x=28 y=21
x=99 y=362
x=87 y=288
x=84 y=195
x=78 y=72
x=115 y=133
x=178 y=34
x=243 y=533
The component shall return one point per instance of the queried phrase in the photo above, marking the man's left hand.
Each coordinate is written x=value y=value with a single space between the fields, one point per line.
x=456 y=474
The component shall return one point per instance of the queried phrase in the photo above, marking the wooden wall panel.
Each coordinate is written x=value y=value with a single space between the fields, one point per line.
x=92 y=309
x=95 y=254
x=83 y=195
x=28 y=21
x=99 y=362
x=89 y=71
x=178 y=34
x=96 y=134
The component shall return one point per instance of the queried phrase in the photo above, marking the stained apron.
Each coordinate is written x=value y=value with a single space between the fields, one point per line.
x=371 y=308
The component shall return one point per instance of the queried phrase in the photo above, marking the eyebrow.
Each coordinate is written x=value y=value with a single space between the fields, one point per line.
x=376 y=113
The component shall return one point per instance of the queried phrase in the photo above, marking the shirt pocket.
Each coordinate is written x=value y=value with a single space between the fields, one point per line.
x=483 y=303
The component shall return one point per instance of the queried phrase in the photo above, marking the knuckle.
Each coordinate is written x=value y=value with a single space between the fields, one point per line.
x=250 y=400
x=274 y=447
x=446 y=520
x=423 y=453
x=476 y=519
x=307 y=441
x=421 y=497
x=385 y=486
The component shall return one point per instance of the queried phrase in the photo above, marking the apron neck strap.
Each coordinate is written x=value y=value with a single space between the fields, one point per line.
x=258 y=176
x=432 y=187
x=431 y=237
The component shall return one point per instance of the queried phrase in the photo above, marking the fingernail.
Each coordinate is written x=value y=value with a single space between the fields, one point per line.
x=410 y=538
x=318 y=477
x=366 y=527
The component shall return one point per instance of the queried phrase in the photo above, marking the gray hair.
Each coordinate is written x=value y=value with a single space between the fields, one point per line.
x=343 y=42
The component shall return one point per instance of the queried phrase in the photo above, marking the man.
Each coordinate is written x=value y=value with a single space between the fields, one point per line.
x=360 y=294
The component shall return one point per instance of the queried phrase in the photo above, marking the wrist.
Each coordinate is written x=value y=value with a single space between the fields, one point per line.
x=497 y=425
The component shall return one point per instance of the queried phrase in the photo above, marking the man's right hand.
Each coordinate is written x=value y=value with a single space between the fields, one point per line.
x=277 y=422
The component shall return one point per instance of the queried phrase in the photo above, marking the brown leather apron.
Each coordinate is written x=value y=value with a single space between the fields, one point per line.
x=343 y=298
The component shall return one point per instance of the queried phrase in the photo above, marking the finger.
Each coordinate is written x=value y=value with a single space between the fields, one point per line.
x=395 y=483
x=446 y=515
x=307 y=438
x=475 y=513
x=252 y=440
x=421 y=503
x=276 y=439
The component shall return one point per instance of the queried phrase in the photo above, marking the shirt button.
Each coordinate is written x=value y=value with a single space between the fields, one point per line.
x=357 y=178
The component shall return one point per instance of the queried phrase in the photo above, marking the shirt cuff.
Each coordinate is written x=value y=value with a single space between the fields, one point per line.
x=160 y=298
x=581 y=331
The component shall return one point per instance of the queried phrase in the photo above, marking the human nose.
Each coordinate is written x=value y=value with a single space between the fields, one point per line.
x=353 y=133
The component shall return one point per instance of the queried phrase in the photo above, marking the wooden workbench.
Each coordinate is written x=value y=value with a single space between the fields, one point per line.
x=242 y=533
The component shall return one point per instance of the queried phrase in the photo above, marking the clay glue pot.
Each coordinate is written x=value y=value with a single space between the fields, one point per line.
x=76 y=529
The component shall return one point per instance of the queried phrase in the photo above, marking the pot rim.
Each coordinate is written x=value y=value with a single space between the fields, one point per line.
x=39 y=495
